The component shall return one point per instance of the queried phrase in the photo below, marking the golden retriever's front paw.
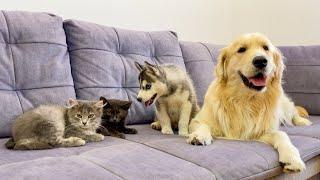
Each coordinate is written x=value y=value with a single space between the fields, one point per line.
x=199 y=139
x=291 y=162
x=166 y=131
x=183 y=132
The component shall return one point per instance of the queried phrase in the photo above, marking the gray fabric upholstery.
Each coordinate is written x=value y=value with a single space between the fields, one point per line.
x=199 y=60
x=302 y=74
x=103 y=58
x=35 y=66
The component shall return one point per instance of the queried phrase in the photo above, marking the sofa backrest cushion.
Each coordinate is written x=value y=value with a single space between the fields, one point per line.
x=102 y=60
x=302 y=76
x=200 y=59
x=34 y=64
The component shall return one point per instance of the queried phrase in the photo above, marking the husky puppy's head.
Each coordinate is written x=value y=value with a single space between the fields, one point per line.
x=152 y=81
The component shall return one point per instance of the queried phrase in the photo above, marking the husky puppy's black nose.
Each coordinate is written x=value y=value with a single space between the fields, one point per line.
x=139 y=99
x=260 y=62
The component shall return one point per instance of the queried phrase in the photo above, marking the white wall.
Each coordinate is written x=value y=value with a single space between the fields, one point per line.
x=215 y=21
x=286 y=22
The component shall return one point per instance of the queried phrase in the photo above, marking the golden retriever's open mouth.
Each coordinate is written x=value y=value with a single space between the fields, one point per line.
x=257 y=82
x=150 y=101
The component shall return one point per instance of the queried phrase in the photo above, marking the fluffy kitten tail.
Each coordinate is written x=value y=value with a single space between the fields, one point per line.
x=10 y=144
x=302 y=111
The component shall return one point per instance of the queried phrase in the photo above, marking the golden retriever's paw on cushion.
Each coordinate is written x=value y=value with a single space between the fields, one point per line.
x=167 y=131
x=198 y=138
x=291 y=161
x=300 y=121
x=302 y=111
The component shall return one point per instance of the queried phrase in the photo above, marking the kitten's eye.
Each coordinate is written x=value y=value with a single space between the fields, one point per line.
x=265 y=47
x=242 y=49
x=79 y=116
x=91 y=116
x=148 y=86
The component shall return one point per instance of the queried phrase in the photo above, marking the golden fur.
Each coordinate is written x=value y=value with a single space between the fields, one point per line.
x=234 y=111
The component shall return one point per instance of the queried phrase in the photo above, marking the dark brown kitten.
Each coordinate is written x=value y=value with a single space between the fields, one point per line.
x=113 y=118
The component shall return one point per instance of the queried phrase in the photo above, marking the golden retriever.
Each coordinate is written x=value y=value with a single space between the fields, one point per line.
x=246 y=101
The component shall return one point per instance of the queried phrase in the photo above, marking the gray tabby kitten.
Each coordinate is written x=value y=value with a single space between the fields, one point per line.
x=51 y=126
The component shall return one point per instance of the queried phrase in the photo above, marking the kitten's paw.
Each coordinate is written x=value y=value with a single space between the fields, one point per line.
x=156 y=125
x=97 y=137
x=166 y=131
x=77 y=141
x=130 y=131
x=183 y=132
x=199 y=139
x=122 y=136
x=291 y=161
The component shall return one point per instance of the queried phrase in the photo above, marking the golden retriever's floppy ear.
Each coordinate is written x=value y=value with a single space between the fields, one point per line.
x=220 y=70
x=277 y=56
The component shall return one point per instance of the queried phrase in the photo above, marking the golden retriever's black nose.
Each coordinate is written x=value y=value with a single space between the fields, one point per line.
x=260 y=62
x=139 y=99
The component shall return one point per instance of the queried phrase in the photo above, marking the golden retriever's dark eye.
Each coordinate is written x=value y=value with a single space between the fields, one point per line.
x=265 y=47
x=242 y=49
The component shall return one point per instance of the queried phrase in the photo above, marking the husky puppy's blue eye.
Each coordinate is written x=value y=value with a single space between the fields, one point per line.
x=148 y=86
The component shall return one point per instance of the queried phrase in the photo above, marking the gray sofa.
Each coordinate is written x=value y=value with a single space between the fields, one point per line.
x=44 y=59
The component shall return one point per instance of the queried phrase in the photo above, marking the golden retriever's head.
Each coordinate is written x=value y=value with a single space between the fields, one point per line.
x=250 y=61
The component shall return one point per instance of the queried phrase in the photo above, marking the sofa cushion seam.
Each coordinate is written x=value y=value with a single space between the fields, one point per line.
x=99 y=165
x=211 y=172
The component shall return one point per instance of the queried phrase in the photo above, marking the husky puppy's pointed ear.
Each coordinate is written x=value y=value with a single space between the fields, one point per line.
x=72 y=102
x=221 y=67
x=154 y=68
x=138 y=66
x=149 y=64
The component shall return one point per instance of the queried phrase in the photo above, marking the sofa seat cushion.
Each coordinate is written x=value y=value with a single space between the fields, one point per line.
x=10 y=156
x=102 y=60
x=227 y=159
x=51 y=168
x=34 y=64
x=112 y=158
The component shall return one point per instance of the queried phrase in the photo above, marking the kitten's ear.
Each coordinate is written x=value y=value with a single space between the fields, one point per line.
x=103 y=99
x=72 y=102
x=126 y=105
x=100 y=104
x=138 y=66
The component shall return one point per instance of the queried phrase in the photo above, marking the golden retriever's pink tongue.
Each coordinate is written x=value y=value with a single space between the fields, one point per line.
x=258 y=81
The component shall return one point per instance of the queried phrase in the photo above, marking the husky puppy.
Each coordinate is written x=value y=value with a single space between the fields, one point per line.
x=173 y=93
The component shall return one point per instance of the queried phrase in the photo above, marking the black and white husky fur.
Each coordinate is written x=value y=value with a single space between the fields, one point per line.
x=173 y=93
